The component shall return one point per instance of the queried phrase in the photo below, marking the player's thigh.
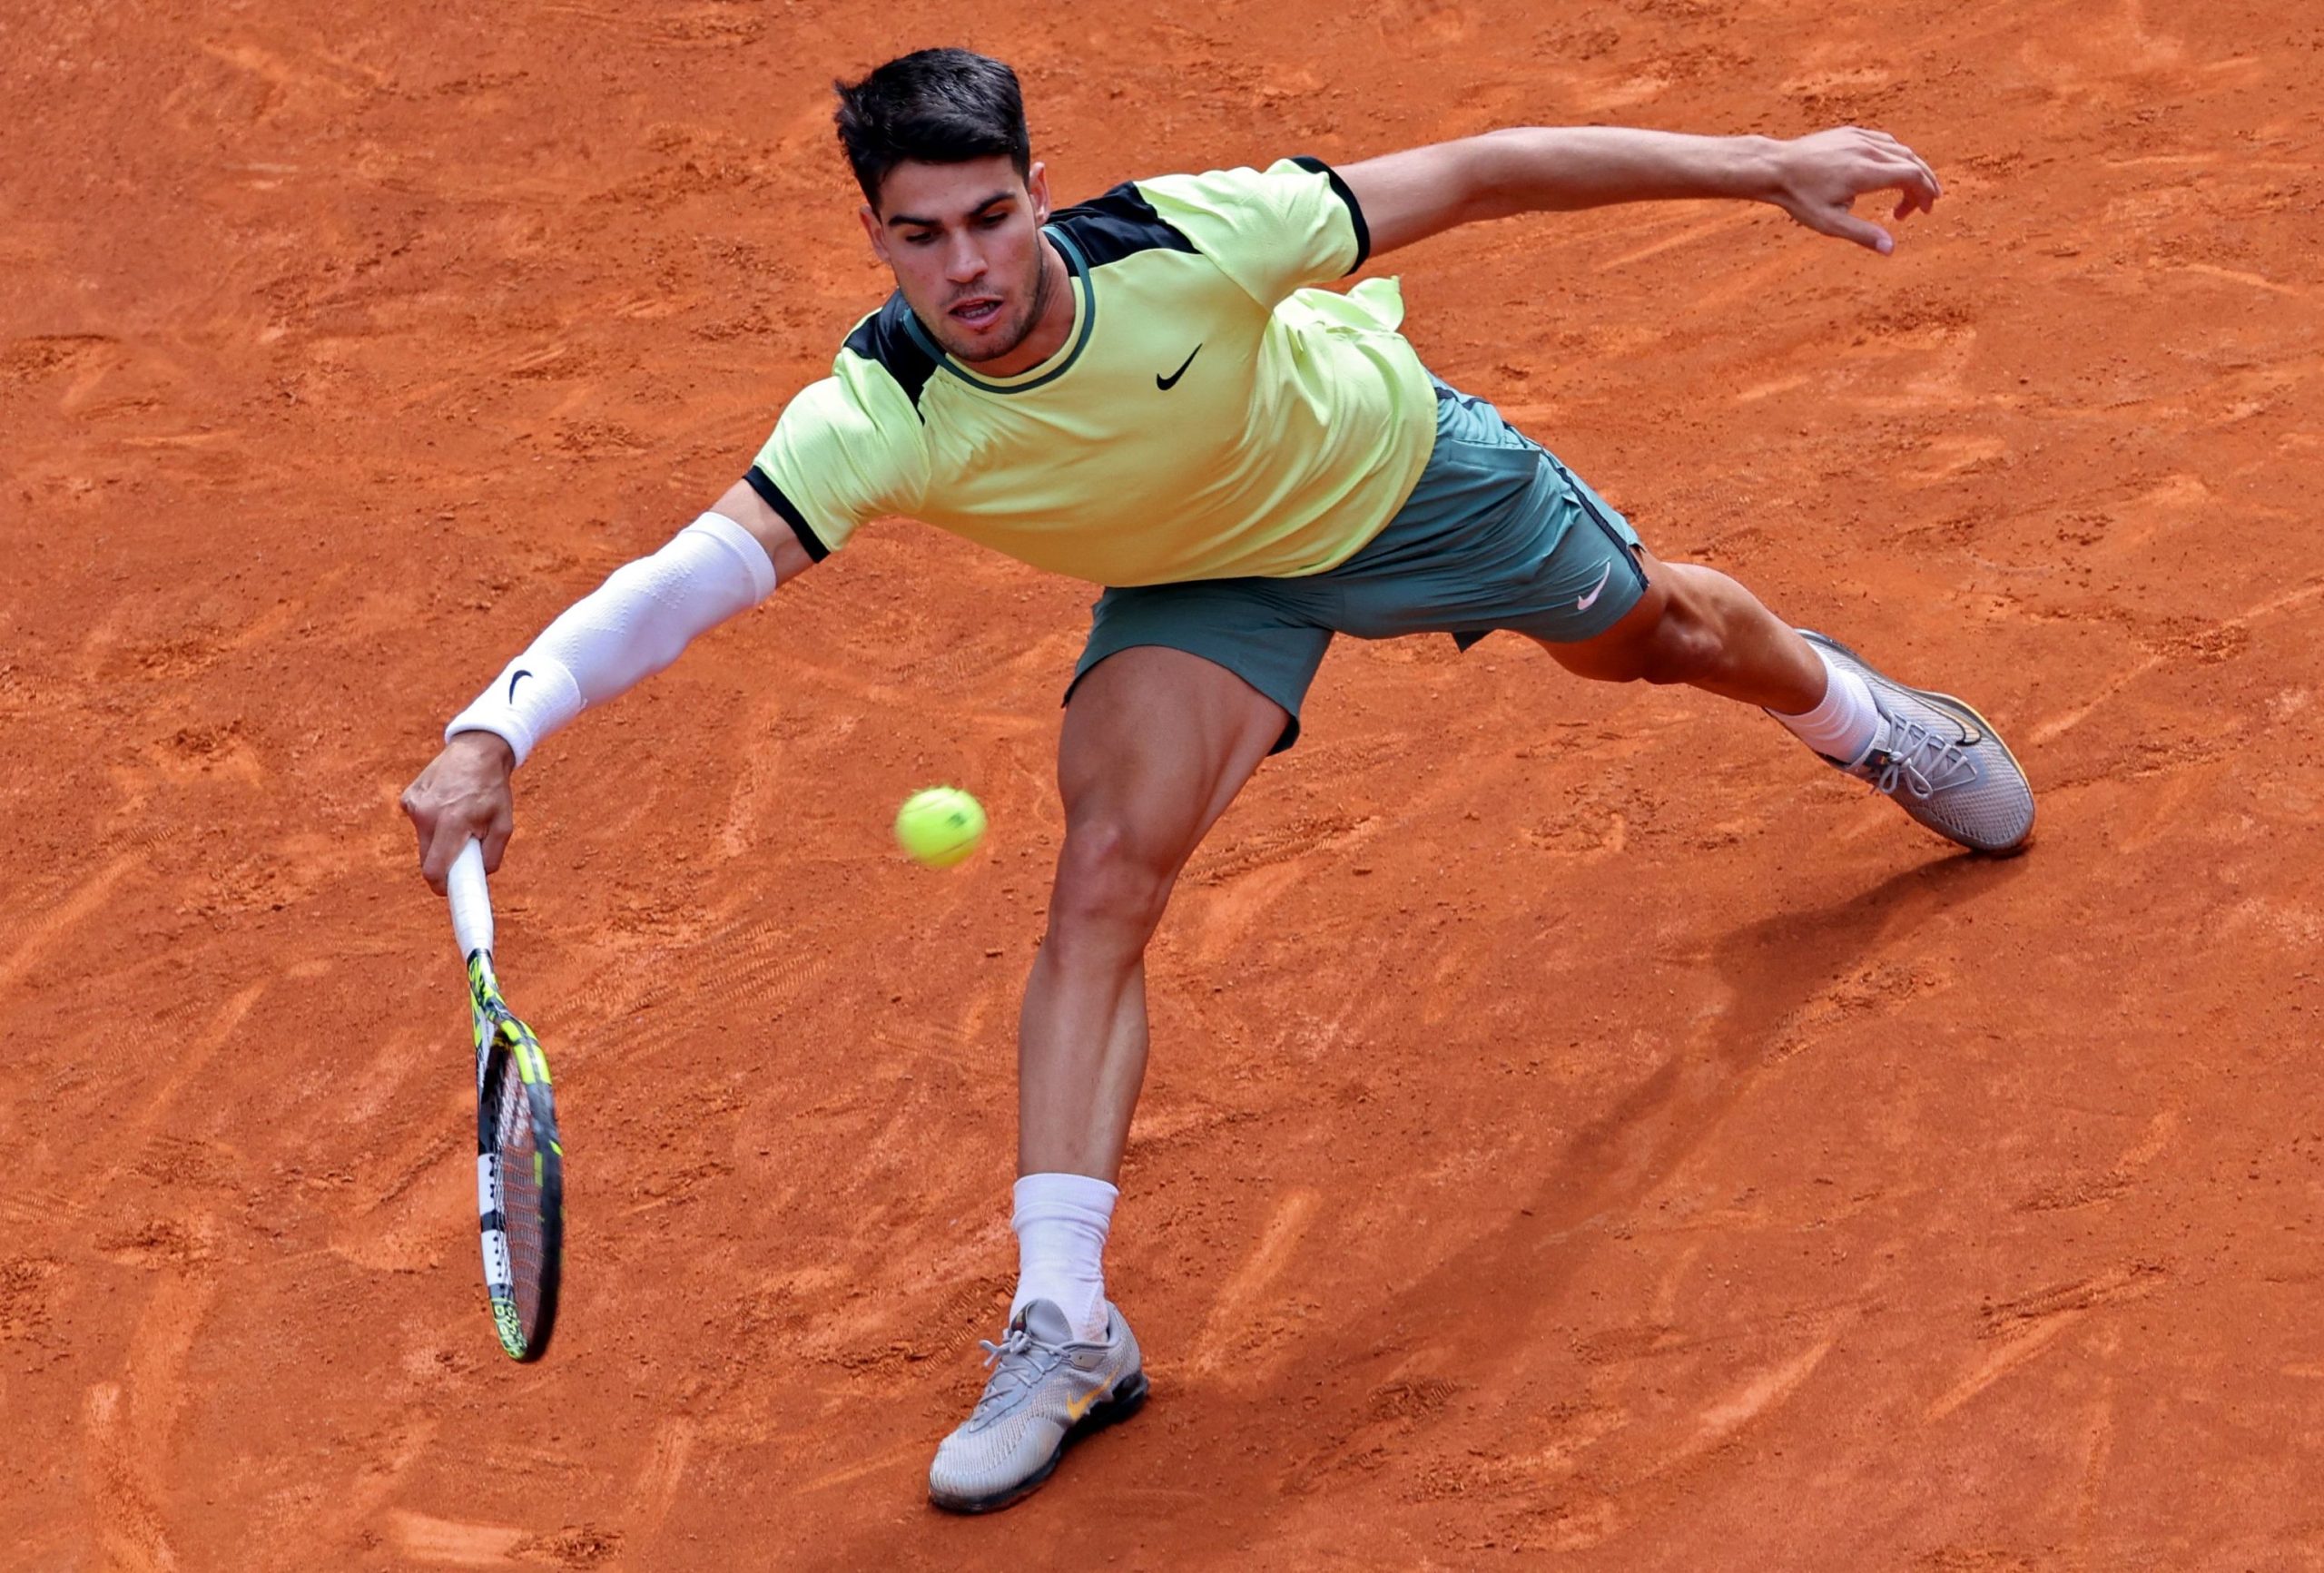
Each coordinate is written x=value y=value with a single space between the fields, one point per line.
x=1622 y=651
x=1157 y=743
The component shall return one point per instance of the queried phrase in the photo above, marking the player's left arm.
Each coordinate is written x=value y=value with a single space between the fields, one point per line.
x=1411 y=195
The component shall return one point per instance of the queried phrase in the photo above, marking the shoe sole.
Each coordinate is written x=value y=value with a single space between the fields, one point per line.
x=1124 y=1402
x=1950 y=701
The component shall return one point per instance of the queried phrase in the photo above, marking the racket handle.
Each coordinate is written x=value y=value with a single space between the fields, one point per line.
x=471 y=902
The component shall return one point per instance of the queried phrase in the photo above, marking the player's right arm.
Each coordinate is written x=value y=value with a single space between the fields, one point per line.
x=630 y=627
x=846 y=449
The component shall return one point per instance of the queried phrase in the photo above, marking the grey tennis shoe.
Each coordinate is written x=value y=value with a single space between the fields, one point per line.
x=1940 y=760
x=1047 y=1392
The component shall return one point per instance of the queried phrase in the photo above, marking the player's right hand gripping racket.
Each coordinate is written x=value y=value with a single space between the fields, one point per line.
x=520 y=1166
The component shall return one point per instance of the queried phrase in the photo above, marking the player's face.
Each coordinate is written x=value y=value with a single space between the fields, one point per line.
x=964 y=241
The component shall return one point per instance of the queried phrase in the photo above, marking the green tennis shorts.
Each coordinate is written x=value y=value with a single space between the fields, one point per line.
x=1496 y=534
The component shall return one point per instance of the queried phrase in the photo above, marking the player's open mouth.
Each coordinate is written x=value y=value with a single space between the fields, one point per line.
x=977 y=312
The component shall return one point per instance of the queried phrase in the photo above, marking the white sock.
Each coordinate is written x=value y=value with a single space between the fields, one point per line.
x=1061 y=1223
x=1845 y=724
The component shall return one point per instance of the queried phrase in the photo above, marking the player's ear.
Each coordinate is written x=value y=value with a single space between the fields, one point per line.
x=1036 y=189
x=875 y=231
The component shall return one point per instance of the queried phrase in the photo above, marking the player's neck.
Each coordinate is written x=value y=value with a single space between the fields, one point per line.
x=1051 y=326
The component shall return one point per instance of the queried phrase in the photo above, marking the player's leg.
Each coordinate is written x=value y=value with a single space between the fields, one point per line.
x=1497 y=533
x=1157 y=743
x=1934 y=753
x=1695 y=625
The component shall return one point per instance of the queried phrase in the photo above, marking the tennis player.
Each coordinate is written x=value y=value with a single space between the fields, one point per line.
x=1149 y=392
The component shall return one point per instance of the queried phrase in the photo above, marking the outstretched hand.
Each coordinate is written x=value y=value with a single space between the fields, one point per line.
x=1820 y=176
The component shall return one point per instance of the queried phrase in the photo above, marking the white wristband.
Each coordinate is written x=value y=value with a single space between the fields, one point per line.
x=628 y=628
x=532 y=697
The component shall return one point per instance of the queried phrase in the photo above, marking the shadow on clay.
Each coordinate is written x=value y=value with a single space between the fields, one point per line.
x=1772 y=969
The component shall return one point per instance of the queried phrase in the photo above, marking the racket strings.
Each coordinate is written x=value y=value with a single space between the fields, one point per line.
x=519 y=1169
x=521 y=1196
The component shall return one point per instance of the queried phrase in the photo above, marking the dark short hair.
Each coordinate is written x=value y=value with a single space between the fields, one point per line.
x=936 y=106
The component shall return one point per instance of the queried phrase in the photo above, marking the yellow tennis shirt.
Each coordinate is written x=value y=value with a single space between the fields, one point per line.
x=1207 y=417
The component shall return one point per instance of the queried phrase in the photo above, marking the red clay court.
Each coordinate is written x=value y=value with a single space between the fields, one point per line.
x=1849 y=1204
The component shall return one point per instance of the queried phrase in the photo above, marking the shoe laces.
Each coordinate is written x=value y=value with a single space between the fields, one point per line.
x=1019 y=1366
x=1918 y=759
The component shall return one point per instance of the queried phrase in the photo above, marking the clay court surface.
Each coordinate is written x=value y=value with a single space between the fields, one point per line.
x=1581 y=1131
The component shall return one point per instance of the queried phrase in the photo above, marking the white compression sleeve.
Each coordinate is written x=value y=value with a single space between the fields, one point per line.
x=627 y=629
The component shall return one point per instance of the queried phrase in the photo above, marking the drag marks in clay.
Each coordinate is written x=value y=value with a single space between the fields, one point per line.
x=2021 y=1329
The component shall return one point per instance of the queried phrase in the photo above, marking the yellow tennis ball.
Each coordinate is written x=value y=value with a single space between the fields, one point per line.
x=939 y=827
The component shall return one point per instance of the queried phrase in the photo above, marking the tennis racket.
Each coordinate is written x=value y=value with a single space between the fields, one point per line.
x=519 y=1165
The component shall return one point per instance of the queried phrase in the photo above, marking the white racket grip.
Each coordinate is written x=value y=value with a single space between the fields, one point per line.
x=471 y=902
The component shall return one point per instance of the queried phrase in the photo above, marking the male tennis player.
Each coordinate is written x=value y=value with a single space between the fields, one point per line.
x=1145 y=392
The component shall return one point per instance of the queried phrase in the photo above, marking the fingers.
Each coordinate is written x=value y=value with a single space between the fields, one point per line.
x=436 y=857
x=1914 y=181
x=1918 y=184
x=1906 y=170
x=1864 y=233
x=496 y=839
x=443 y=832
x=1935 y=187
x=1869 y=161
x=1837 y=221
x=441 y=843
x=423 y=824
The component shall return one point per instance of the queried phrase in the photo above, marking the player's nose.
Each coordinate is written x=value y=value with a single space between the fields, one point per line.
x=964 y=264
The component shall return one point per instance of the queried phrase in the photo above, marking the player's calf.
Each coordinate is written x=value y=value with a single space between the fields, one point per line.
x=1697 y=626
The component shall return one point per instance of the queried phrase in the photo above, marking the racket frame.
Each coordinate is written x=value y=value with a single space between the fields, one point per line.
x=505 y=1043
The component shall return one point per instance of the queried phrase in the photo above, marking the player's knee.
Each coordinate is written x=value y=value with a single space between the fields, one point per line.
x=1111 y=880
x=1684 y=645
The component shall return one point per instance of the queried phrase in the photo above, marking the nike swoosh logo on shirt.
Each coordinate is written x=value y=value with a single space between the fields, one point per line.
x=1166 y=383
x=1584 y=604
x=512 y=683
